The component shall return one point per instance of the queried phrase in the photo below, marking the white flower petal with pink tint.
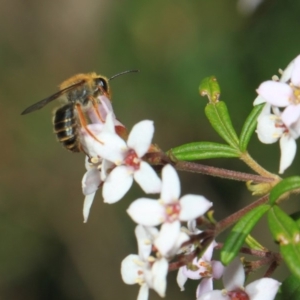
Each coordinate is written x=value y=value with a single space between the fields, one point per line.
x=146 y=212
x=288 y=148
x=234 y=275
x=276 y=93
x=167 y=237
x=112 y=148
x=91 y=181
x=181 y=279
x=268 y=131
x=170 y=189
x=147 y=178
x=143 y=292
x=214 y=295
x=291 y=114
x=262 y=289
x=140 y=137
x=295 y=76
x=159 y=273
x=88 y=201
x=206 y=285
x=116 y=185
x=193 y=206
x=217 y=269
x=130 y=268
x=144 y=236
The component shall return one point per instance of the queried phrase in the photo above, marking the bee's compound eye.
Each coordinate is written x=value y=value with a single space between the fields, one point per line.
x=103 y=83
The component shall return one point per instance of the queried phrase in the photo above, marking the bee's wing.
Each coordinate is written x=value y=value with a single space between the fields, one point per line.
x=45 y=101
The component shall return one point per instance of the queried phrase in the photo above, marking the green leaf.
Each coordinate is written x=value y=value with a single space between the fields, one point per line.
x=218 y=116
x=286 y=232
x=290 y=289
x=253 y=243
x=209 y=87
x=203 y=150
x=249 y=126
x=240 y=231
x=284 y=186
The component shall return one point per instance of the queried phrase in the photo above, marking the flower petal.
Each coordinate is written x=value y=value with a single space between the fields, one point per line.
x=116 y=185
x=291 y=114
x=181 y=278
x=130 y=268
x=267 y=130
x=147 y=179
x=159 y=272
x=167 y=237
x=143 y=292
x=91 y=181
x=207 y=255
x=145 y=236
x=140 y=137
x=214 y=295
x=88 y=201
x=170 y=190
x=205 y=286
x=146 y=212
x=276 y=93
x=263 y=289
x=217 y=269
x=234 y=275
x=295 y=78
x=112 y=148
x=193 y=206
x=288 y=149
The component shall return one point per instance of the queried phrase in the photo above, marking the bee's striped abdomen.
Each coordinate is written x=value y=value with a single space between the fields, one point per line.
x=65 y=127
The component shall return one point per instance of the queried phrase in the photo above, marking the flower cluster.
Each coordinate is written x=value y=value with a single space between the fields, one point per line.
x=114 y=160
x=280 y=118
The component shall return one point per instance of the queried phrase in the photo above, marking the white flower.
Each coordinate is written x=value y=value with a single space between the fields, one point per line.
x=201 y=268
x=144 y=269
x=233 y=280
x=285 y=93
x=90 y=183
x=281 y=125
x=127 y=159
x=270 y=129
x=169 y=210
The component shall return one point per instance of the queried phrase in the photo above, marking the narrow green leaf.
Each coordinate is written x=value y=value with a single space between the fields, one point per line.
x=249 y=126
x=253 y=243
x=286 y=185
x=290 y=289
x=203 y=150
x=209 y=87
x=218 y=116
x=238 y=234
x=286 y=232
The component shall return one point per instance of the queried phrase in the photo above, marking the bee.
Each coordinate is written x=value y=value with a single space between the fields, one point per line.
x=80 y=93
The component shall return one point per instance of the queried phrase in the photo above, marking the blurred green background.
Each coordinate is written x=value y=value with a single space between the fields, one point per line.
x=46 y=251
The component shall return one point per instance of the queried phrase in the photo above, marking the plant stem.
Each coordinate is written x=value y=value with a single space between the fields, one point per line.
x=247 y=159
x=227 y=222
x=219 y=172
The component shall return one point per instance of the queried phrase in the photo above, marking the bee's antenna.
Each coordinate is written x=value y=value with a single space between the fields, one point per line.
x=122 y=73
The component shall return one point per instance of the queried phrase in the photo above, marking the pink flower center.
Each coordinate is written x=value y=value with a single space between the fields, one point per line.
x=132 y=160
x=238 y=295
x=172 y=211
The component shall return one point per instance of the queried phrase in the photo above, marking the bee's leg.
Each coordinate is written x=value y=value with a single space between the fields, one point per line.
x=83 y=122
x=96 y=109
